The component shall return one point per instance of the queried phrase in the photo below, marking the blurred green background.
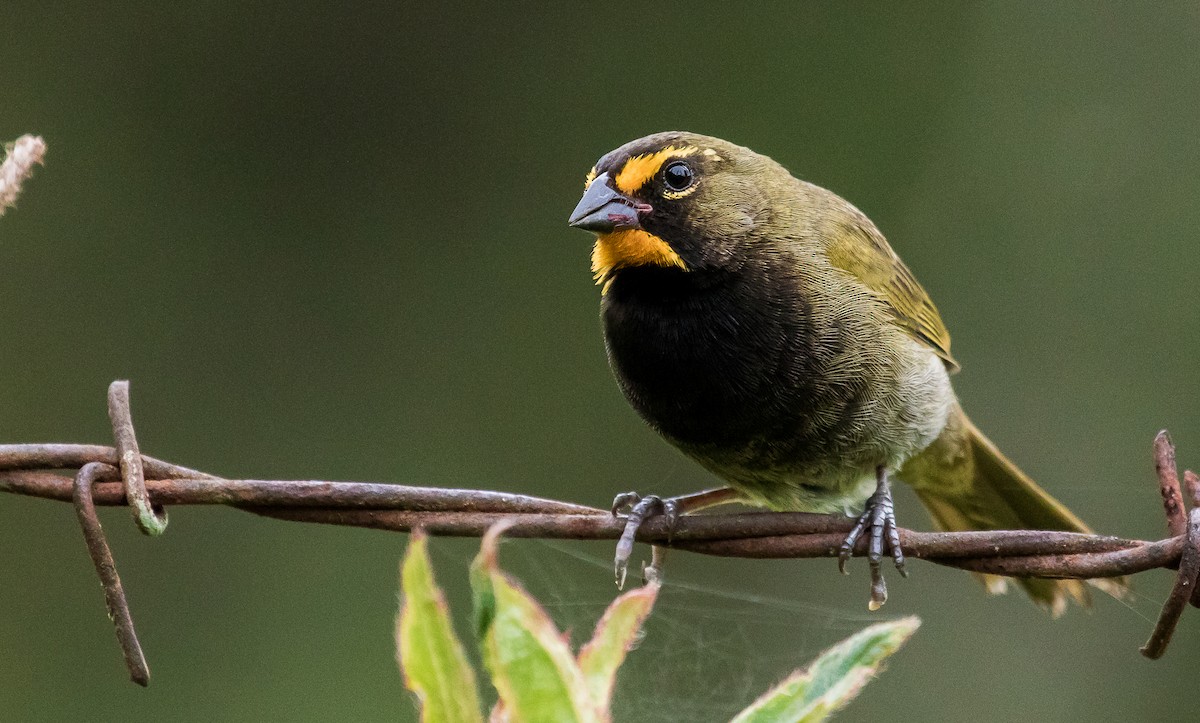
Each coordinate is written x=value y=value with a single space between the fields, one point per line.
x=329 y=242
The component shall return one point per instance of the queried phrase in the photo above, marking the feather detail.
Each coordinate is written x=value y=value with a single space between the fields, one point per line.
x=857 y=247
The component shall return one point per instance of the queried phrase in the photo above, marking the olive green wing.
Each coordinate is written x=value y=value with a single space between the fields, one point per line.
x=862 y=252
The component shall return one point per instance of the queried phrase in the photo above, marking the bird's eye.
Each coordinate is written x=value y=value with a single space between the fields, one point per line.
x=678 y=176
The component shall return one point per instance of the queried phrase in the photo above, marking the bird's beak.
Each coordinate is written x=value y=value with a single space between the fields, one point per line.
x=603 y=210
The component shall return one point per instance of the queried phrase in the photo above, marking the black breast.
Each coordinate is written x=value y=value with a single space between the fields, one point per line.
x=715 y=361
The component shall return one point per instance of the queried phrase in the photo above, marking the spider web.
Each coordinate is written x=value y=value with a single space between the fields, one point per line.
x=710 y=647
x=705 y=653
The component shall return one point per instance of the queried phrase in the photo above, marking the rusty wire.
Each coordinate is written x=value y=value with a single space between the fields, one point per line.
x=118 y=476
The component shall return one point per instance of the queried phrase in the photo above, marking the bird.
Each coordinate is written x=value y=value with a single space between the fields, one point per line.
x=763 y=326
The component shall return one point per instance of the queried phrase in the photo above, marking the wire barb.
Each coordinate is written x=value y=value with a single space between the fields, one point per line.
x=1193 y=486
x=150 y=521
x=1168 y=483
x=131 y=471
x=1179 y=524
x=106 y=568
x=1181 y=593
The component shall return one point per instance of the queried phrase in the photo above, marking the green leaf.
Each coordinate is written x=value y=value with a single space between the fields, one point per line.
x=431 y=656
x=615 y=635
x=833 y=679
x=531 y=664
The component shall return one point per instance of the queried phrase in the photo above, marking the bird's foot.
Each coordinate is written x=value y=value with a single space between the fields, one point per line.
x=638 y=509
x=880 y=518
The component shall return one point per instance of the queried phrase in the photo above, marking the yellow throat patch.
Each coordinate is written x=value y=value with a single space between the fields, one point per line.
x=628 y=248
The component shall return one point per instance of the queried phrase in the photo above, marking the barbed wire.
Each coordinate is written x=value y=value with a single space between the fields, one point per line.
x=121 y=475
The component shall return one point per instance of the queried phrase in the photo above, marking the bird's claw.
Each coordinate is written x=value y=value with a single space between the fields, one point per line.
x=624 y=502
x=880 y=518
x=638 y=510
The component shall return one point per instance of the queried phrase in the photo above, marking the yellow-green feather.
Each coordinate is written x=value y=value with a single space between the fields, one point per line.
x=966 y=483
x=859 y=249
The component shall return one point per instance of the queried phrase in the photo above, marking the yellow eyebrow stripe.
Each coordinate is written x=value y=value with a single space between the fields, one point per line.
x=640 y=169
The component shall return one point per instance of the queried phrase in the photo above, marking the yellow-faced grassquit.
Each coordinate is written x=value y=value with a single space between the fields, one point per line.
x=763 y=326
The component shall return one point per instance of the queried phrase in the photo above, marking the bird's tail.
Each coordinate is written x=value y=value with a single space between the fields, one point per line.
x=967 y=484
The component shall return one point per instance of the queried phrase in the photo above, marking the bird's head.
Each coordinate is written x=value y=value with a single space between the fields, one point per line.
x=677 y=200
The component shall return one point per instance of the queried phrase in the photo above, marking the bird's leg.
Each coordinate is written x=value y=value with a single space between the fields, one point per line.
x=653 y=571
x=880 y=517
x=638 y=509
